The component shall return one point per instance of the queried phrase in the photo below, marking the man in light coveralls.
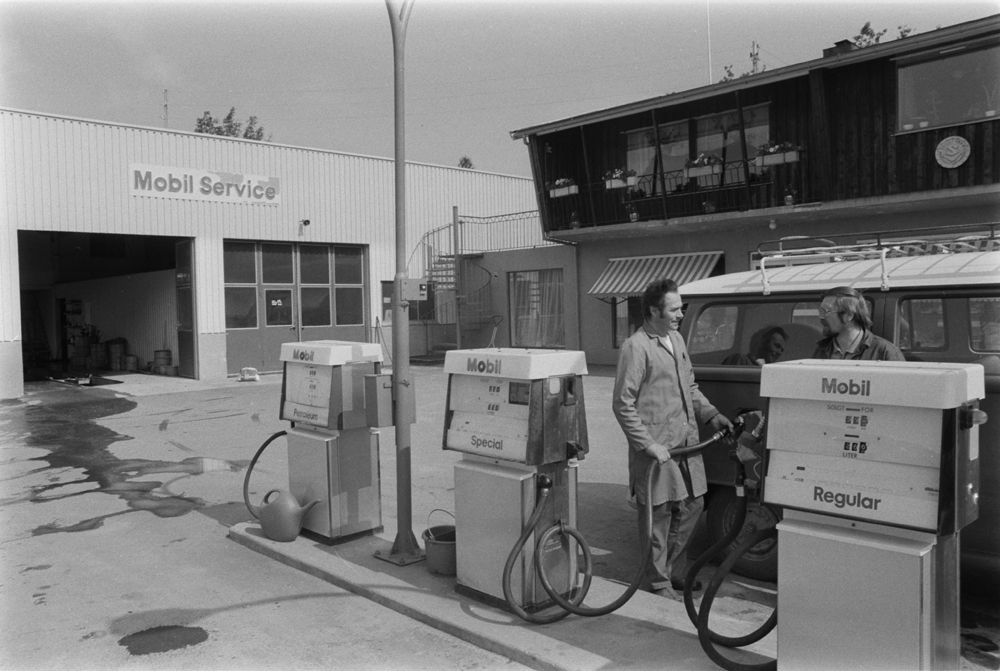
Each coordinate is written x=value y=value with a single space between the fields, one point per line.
x=659 y=406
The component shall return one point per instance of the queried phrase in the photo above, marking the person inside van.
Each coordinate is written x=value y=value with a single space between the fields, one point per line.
x=847 y=324
x=770 y=346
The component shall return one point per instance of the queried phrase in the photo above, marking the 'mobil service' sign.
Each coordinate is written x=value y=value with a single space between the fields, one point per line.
x=157 y=181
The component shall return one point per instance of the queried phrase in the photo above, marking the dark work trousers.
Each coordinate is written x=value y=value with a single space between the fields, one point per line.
x=673 y=524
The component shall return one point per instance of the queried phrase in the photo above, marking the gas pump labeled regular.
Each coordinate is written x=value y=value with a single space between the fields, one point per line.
x=877 y=467
x=518 y=417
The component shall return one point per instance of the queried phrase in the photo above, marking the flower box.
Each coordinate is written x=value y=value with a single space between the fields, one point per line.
x=560 y=191
x=702 y=170
x=777 y=158
x=614 y=184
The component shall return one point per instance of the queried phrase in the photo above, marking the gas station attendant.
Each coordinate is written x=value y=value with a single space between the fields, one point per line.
x=658 y=405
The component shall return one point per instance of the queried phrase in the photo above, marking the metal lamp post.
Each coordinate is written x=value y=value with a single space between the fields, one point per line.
x=405 y=549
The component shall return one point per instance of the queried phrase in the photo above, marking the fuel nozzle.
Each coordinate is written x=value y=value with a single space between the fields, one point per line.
x=752 y=423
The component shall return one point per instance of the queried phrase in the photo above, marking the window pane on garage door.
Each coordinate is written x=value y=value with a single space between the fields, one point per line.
x=241 y=307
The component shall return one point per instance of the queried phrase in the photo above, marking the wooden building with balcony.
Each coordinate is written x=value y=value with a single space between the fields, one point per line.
x=900 y=135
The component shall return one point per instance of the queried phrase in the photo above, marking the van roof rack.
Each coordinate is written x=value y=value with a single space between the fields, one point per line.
x=877 y=245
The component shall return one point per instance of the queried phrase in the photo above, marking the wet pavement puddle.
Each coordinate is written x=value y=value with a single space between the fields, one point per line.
x=162 y=639
x=77 y=448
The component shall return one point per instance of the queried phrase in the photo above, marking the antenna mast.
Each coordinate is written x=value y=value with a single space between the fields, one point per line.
x=166 y=123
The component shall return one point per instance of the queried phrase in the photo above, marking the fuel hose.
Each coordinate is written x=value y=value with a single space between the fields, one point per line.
x=253 y=462
x=574 y=603
x=709 y=639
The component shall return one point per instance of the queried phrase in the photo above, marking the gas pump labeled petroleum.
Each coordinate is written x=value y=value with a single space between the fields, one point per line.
x=335 y=397
x=877 y=467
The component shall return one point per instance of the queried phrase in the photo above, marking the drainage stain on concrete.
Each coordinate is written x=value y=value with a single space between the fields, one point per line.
x=162 y=639
x=75 y=443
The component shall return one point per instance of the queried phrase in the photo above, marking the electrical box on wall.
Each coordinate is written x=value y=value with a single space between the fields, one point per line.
x=414 y=289
x=888 y=442
x=516 y=405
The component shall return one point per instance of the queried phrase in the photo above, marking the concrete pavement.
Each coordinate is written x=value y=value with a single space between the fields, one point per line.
x=232 y=418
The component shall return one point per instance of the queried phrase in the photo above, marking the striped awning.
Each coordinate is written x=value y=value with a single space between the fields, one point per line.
x=628 y=276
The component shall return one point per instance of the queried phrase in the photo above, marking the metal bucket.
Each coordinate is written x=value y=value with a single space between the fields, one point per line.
x=439 y=544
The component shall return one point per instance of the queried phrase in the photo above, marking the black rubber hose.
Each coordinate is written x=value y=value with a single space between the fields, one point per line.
x=576 y=607
x=253 y=462
x=704 y=634
x=516 y=550
x=705 y=557
x=647 y=552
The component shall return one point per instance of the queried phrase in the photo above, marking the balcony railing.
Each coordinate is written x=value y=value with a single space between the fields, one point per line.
x=685 y=192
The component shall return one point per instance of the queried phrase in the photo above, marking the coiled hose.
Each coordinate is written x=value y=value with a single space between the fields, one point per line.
x=574 y=604
x=699 y=616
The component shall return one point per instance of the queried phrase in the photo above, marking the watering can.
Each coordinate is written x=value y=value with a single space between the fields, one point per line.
x=281 y=517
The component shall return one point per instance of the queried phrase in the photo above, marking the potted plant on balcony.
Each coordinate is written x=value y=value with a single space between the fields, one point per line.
x=564 y=186
x=777 y=153
x=619 y=178
x=704 y=164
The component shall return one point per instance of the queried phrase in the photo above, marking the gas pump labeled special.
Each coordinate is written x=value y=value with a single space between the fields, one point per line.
x=335 y=397
x=518 y=417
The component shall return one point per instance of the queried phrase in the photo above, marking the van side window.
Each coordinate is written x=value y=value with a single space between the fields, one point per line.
x=921 y=324
x=984 y=324
x=715 y=330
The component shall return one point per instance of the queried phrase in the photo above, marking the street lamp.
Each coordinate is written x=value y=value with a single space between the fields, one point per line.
x=404 y=549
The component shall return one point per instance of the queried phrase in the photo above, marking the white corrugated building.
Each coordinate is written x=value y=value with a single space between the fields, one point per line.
x=190 y=253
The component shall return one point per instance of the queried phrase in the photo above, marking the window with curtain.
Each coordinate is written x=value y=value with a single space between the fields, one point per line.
x=536 y=308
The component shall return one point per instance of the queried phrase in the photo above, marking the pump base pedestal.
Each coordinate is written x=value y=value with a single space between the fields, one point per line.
x=863 y=596
x=339 y=469
x=493 y=502
x=326 y=540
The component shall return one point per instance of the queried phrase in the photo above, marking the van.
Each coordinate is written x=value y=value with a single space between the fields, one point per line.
x=937 y=300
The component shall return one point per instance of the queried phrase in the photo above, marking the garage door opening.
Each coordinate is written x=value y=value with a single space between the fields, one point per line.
x=93 y=303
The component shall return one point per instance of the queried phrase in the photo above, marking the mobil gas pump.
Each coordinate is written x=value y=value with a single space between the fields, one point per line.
x=518 y=417
x=876 y=465
x=335 y=395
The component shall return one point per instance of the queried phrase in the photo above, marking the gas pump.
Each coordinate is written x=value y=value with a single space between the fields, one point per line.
x=335 y=396
x=518 y=417
x=876 y=466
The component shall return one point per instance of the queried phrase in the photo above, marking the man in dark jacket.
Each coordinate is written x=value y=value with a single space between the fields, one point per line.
x=847 y=332
x=659 y=407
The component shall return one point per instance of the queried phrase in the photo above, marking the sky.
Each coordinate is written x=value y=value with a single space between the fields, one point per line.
x=320 y=74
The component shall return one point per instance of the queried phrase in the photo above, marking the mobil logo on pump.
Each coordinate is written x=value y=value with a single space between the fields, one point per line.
x=849 y=387
x=486 y=366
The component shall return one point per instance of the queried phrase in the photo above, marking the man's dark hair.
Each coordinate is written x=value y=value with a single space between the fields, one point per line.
x=654 y=293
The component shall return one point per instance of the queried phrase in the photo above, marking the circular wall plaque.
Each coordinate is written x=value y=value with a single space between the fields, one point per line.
x=952 y=151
